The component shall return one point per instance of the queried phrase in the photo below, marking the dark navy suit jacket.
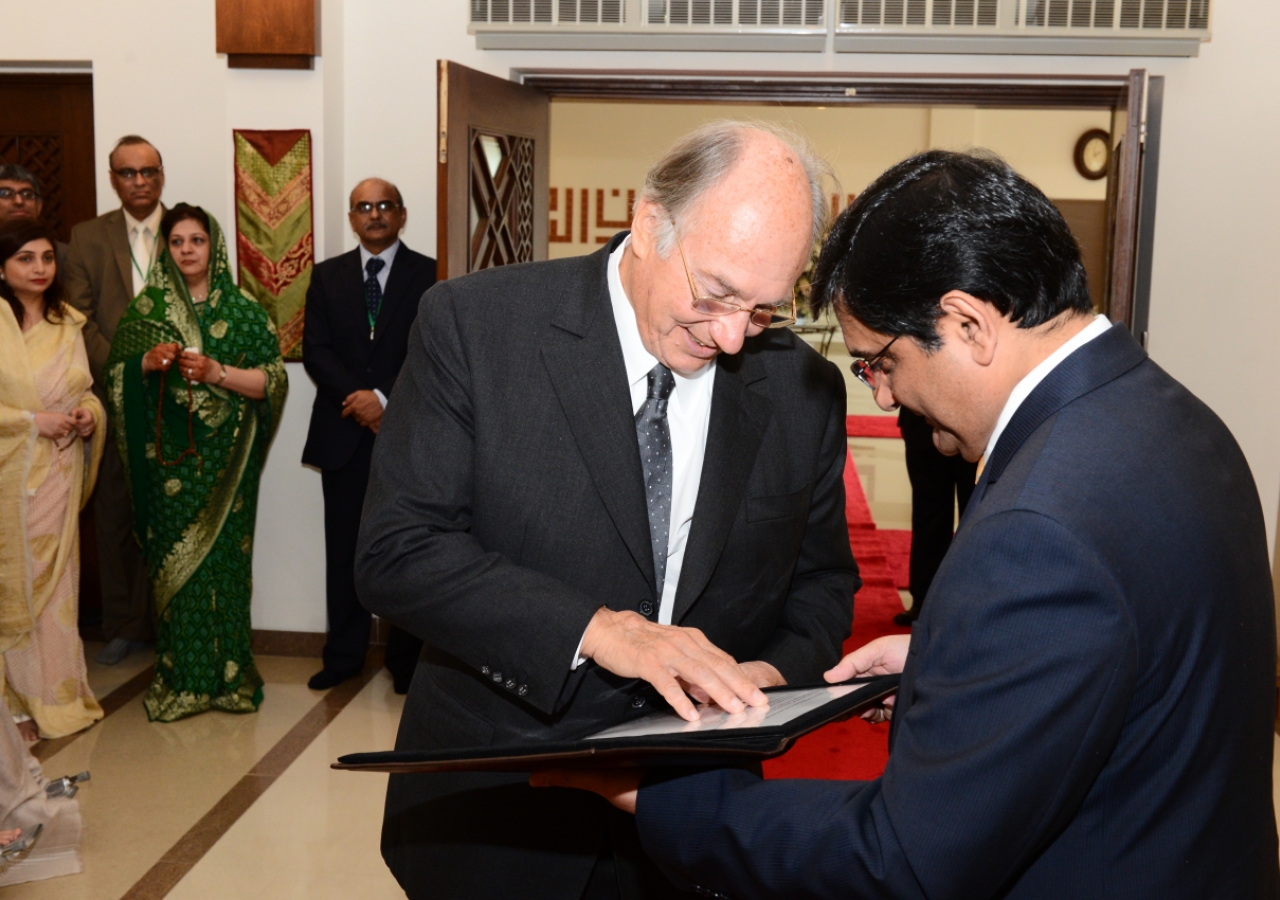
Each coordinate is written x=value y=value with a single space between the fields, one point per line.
x=1087 y=707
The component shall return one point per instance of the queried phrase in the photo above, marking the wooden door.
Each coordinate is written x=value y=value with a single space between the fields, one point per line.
x=46 y=126
x=493 y=171
x=1123 y=199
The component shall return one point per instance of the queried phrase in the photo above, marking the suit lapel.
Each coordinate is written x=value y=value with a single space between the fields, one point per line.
x=583 y=358
x=1102 y=360
x=397 y=284
x=118 y=240
x=739 y=418
x=352 y=283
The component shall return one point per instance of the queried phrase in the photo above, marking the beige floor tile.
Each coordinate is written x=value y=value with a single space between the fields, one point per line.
x=315 y=832
x=152 y=782
x=105 y=679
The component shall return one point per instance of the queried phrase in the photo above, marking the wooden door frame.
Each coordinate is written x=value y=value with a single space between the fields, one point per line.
x=993 y=91
x=77 y=155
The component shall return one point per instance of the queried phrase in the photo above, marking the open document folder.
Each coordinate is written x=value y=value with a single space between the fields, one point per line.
x=658 y=739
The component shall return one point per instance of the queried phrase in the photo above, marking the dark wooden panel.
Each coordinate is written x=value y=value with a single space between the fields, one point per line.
x=276 y=27
x=269 y=61
x=1088 y=222
x=830 y=89
x=1126 y=175
x=472 y=103
x=46 y=125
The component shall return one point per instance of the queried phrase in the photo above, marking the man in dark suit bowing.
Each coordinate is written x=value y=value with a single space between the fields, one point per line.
x=604 y=481
x=1086 y=704
x=359 y=309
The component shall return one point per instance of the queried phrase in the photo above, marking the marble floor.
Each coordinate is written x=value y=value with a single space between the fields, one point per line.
x=233 y=807
x=229 y=806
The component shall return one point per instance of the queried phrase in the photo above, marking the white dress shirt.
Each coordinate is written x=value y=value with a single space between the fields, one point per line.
x=388 y=256
x=1099 y=326
x=142 y=245
x=688 y=419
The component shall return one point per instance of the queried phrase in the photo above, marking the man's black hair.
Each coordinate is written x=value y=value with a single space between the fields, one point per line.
x=15 y=172
x=942 y=221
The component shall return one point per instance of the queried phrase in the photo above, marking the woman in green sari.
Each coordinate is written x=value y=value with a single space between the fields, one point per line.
x=196 y=386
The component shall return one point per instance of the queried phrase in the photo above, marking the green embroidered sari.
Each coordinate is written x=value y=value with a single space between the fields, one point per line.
x=195 y=519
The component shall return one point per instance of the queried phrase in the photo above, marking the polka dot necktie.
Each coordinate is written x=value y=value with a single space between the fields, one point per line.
x=655 y=455
x=373 y=290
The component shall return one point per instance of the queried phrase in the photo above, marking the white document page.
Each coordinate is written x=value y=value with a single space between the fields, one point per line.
x=783 y=707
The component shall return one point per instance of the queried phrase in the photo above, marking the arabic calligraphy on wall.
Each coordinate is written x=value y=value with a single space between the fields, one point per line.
x=591 y=216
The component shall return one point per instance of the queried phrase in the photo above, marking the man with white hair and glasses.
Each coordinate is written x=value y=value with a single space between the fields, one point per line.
x=605 y=484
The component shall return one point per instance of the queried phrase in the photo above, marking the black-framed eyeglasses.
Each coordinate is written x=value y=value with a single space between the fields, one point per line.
x=364 y=207
x=28 y=194
x=868 y=370
x=761 y=316
x=148 y=173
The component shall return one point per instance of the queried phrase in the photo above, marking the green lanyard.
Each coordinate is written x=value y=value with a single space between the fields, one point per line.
x=133 y=259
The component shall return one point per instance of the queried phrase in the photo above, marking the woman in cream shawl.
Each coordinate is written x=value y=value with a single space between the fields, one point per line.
x=51 y=430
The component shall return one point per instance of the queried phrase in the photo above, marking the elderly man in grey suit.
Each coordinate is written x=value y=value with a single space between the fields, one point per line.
x=601 y=483
x=107 y=267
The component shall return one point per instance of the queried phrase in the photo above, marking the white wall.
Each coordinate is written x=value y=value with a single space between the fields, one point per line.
x=371 y=106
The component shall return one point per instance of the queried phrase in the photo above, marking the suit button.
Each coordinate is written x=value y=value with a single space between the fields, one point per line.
x=510 y=685
x=637 y=702
x=497 y=677
x=522 y=690
x=484 y=670
x=646 y=608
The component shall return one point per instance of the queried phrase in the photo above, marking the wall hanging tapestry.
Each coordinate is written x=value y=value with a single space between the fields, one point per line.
x=275 y=234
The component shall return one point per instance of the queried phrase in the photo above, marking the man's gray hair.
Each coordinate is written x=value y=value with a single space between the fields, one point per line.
x=15 y=172
x=704 y=156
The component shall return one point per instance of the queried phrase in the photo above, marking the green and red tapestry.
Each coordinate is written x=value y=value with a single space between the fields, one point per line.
x=275 y=234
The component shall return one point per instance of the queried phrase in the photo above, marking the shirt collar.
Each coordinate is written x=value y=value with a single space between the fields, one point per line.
x=151 y=222
x=1022 y=390
x=637 y=358
x=388 y=256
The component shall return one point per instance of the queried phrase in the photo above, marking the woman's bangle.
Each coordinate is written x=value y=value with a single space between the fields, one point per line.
x=223 y=377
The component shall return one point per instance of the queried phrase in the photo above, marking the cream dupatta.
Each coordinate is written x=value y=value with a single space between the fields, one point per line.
x=42 y=489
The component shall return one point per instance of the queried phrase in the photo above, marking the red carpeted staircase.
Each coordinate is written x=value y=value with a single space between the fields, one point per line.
x=855 y=749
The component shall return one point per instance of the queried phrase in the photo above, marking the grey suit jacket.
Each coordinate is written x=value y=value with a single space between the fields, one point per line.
x=506 y=504
x=99 y=281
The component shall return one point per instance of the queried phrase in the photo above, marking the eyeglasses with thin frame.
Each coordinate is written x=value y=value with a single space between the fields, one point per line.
x=760 y=316
x=28 y=194
x=148 y=173
x=868 y=370
x=364 y=207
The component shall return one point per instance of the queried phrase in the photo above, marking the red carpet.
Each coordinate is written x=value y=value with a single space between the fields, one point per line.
x=854 y=749
x=872 y=426
x=898 y=545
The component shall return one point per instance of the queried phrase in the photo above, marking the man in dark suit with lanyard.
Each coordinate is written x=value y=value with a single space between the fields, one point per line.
x=359 y=309
x=603 y=481
x=1086 y=705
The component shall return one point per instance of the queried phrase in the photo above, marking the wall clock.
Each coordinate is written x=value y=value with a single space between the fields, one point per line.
x=1093 y=154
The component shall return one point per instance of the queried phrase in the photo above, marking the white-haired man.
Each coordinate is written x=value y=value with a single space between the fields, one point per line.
x=603 y=482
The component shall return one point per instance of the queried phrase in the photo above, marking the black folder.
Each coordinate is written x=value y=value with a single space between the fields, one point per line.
x=725 y=746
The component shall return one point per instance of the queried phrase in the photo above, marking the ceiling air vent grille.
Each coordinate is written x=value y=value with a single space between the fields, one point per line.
x=736 y=12
x=1067 y=27
x=511 y=10
x=1160 y=15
